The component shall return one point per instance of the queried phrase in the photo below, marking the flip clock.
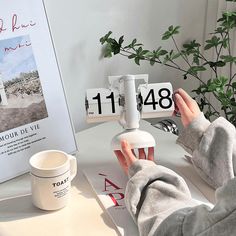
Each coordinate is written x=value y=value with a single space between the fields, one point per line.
x=123 y=103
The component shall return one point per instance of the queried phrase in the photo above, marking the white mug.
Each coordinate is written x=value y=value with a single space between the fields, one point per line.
x=51 y=175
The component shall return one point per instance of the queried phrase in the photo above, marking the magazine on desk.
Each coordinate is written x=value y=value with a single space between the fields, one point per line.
x=33 y=110
x=109 y=182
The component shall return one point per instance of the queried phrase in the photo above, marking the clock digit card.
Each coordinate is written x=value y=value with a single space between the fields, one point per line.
x=102 y=105
x=156 y=100
x=33 y=109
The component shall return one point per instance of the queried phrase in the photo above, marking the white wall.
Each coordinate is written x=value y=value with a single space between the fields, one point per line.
x=77 y=26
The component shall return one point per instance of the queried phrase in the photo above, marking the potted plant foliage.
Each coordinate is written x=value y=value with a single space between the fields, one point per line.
x=221 y=87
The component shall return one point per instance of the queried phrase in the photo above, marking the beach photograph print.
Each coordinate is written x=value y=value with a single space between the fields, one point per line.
x=21 y=95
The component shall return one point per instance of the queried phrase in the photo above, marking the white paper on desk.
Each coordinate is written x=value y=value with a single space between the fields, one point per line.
x=108 y=182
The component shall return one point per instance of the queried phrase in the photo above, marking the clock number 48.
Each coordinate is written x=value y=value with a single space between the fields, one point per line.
x=164 y=94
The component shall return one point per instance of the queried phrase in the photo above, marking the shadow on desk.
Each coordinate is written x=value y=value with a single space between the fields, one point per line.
x=18 y=208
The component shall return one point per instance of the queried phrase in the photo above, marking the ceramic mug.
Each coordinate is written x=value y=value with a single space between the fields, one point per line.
x=51 y=175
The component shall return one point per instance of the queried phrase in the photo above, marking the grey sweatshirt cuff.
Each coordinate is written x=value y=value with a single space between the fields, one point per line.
x=143 y=172
x=190 y=137
x=154 y=192
x=138 y=166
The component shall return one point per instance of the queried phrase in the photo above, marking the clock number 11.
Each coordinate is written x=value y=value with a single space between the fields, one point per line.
x=98 y=98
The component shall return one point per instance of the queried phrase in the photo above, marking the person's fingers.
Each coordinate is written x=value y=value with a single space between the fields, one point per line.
x=176 y=111
x=128 y=154
x=121 y=160
x=142 y=154
x=120 y=157
x=150 y=154
x=183 y=108
x=186 y=97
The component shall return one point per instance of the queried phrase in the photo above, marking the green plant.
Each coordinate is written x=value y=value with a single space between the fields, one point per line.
x=222 y=87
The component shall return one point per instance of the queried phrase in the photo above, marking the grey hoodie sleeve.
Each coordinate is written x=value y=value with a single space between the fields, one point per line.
x=153 y=193
x=159 y=200
x=213 y=149
x=202 y=220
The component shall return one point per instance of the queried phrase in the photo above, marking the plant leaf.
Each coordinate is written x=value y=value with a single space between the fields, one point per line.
x=137 y=60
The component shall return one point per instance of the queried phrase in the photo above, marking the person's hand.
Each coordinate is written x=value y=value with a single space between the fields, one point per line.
x=187 y=107
x=126 y=156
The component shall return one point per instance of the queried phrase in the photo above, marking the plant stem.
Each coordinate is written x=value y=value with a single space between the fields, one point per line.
x=226 y=116
x=209 y=104
x=221 y=46
x=231 y=64
x=177 y=66
x=181 y=54
x=233 y=76
x=202 y=56
x=215 y=68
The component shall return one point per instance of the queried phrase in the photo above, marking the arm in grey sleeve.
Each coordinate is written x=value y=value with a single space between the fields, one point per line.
x=202 y=220
x=153 y=193
x=213 y=147
x=159 y=201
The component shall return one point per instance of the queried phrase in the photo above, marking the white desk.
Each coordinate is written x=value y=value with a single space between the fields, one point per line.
x=84 y=215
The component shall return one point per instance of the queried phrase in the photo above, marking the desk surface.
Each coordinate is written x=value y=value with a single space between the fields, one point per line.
x=84 y=215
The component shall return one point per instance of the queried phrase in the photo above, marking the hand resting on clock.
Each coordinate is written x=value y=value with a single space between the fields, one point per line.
x=186 y=106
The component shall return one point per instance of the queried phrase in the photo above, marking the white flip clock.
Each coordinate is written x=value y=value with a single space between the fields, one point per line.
x=122 y=102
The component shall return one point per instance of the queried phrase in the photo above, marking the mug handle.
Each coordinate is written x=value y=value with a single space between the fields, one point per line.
x=73 y=166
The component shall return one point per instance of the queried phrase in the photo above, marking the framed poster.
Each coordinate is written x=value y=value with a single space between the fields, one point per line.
x=33 y=110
